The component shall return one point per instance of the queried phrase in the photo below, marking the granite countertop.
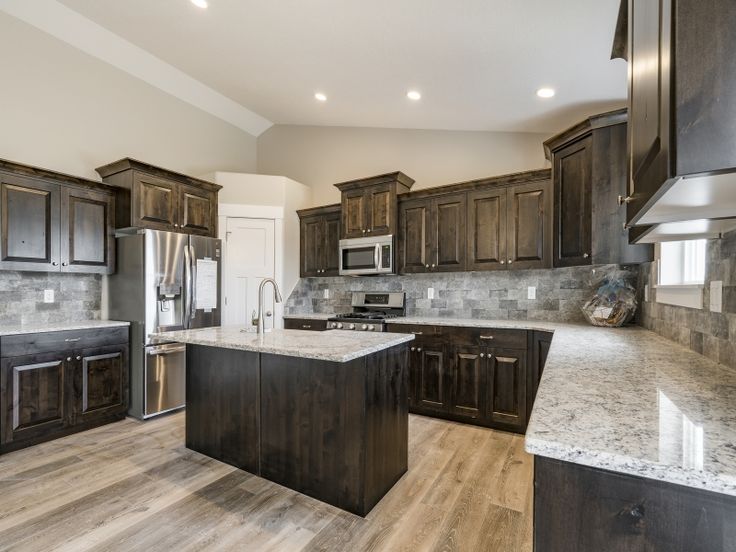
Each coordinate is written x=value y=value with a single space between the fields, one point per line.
x=313 y=316
x=18 y=329
x=331 y=345
x=629 y=401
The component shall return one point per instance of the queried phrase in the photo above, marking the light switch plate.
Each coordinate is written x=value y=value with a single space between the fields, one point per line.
x=430 y=293
x=716 y=296
x=48 y=296
x=531 y=292
x=326 y=294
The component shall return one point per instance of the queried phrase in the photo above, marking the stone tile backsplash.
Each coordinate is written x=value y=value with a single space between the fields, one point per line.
x=76 y=297
x=709 y=333
x=494 y=295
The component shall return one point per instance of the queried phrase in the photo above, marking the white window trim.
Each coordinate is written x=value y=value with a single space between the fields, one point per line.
x=679 y=295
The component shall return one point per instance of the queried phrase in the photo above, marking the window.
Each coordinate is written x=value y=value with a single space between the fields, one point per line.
x=681 y=273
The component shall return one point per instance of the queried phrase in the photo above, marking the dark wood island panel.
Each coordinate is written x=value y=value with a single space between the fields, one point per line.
x=336 y=431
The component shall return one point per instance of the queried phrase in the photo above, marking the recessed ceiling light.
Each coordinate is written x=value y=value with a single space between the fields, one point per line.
x=413 y=95
x=200 y=3
x=320 y=97
x=546 y=92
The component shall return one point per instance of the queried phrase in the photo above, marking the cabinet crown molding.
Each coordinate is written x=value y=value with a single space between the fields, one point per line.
x=128 y=163
x=579 y=130
x=21 y=169
x=397 y=177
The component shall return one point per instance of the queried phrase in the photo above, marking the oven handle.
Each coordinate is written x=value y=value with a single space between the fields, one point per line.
x=377 y=256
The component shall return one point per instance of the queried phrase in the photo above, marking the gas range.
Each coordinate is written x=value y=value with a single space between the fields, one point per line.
x=370 y=312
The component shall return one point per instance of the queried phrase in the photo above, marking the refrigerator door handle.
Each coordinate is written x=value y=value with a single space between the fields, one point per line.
x=187 y=288
x=193 y=300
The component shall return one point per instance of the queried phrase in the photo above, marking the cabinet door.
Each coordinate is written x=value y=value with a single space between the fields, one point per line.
x=29 y=224
x=100 y=383
x=197 y=211
x=381 y=209
x=87 y=234
x=354 y=213
x=506 y=389
x=414 y=248
x=530 y=225
x=487 y=230
x=36 y=392
x=448 y=233
x=572 y=174
x=467 y=381
x=541 y=342
x=311 y=246
x=649 y=105
x=331 y=248
x=432 y=385
x=155 y=203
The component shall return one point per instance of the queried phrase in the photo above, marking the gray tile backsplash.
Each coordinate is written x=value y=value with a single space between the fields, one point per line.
x=495 y=295
x=77 y=297
x=709 y=333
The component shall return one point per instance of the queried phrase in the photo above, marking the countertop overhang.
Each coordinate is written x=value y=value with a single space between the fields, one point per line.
x=20 y=329
x=332 y=345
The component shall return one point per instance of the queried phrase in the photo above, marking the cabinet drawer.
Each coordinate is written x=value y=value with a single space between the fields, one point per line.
x=49 y=342
x=489 y=337
x=305 y=324
x=415 y=329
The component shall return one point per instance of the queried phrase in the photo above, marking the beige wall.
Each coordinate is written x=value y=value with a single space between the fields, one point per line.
x=321 y=156
x=64 y=110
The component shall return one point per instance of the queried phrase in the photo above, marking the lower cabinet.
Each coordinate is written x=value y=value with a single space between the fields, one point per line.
x=479 y=376
x=51 y=386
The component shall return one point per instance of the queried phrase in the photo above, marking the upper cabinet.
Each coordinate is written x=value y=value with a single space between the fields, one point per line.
x=589 y=175
x=320 y=236
x=53 y=222
x=156 y=198
x=369 y=205
x=682 y=99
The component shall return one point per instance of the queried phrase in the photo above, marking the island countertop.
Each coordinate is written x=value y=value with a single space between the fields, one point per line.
x=332 y=345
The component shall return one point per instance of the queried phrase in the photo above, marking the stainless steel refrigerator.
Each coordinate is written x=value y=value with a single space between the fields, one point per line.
x=164 y=281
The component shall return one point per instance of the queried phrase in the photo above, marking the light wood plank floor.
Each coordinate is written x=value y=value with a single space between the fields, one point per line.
x=134 y=486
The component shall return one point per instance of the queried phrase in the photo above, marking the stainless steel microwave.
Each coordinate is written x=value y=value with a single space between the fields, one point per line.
x=365 y=256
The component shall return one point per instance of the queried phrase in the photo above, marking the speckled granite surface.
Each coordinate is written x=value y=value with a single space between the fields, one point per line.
x=629 y=401
x=332 y=345
x=313 y=316
x=18 y=329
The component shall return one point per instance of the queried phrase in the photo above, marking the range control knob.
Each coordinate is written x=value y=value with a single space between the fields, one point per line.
x=351 y=327
x=364 y=327
x=339 y=325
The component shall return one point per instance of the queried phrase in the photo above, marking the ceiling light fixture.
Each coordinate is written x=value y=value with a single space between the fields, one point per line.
x=320 y=97
x=200 y=4
x=546 y=92
x=413 y=95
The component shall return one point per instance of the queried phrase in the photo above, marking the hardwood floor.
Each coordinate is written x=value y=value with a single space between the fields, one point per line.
x=134 y=486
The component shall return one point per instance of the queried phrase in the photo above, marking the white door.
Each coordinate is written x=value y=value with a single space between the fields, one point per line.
x=249 y=258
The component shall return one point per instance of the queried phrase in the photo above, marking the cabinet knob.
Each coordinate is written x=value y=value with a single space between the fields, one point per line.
x=511 y=261
x=482 y=355
x=64 y=264
x=68 y=359
x=54 y=263
x=585 y=255
x=176 y=225
x=622 y=200
x=370 y=230
x=413 y=349
x=79 y=357
x=364 y=230
x=426 y=266
x=433 y=265
x=503 y=262
x=419 y=349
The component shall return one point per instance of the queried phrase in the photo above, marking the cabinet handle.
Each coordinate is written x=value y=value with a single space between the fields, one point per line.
x=413 y=349
x=419 y=349
x=426 y=266
x=79 y=357
x=370 y=230
x=482 y=355
x=503 y=262
x=585 y=255
x=433 y=265
x=176 y=225
x=486 y=337
x=306 y=326
x=68 y=359
x=364 y=230
x=622 y=200
x=417 y=333
x=72 y=339
x=511 y=261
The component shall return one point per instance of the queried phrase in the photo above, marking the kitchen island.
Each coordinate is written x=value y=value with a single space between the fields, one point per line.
x=324 y=414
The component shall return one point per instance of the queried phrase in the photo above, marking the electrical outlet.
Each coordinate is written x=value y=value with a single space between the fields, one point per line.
x=430 y=293
x=327 y=294
x=48 y=296
x=716 y=296
x=531 y=292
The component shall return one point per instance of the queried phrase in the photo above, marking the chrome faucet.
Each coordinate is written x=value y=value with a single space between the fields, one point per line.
x=259 y=321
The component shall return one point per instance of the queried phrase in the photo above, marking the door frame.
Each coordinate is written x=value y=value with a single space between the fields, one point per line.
x=266 y=212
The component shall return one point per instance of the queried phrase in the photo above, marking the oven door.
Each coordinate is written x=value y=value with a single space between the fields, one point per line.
x=363 y=256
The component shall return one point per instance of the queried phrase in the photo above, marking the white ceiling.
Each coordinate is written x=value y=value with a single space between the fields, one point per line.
x=477 y=63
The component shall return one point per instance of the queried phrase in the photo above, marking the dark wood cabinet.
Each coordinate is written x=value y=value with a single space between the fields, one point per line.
x=475 y=375
x=315 y=325
x=589 y=174
x=682 y=93
x=539 y=348
x=414 y=231
x=613 y=512
x=369 y=205
x=87 y=231
x=53 y=222
x=510 y=227
x=56 y=383
x=320 y=237
x=160 y=199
